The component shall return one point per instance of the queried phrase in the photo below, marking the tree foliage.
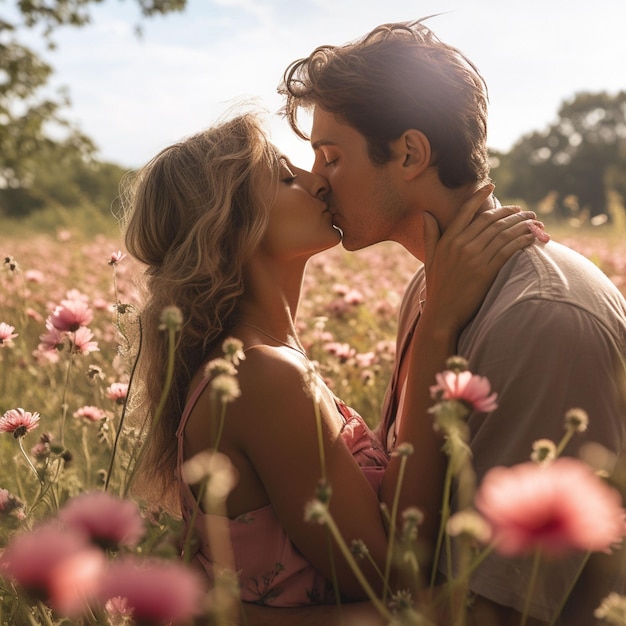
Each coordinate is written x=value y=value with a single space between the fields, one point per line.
x=579 y=162
x=35 y=136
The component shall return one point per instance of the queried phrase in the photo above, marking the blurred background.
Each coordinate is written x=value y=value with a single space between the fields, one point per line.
x=90 y=89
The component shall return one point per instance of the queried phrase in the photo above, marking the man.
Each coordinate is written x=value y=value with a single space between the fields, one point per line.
x=399 y=130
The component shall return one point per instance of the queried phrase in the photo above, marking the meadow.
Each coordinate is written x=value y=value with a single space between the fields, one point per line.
x=76 y=381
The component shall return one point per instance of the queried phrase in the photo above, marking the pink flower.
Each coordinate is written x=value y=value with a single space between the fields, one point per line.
x=35 y=560
x=82 y=341
x=76 y=294
x=342 y=351
x=116 y=257
x=158 y=592
x=365 y=359
x=90 y=413
x=354 y=296
x=117 y=392
x=107 y=520
x=556 y=507
x=70 y=315
x=6 y=334
x=76 y=581
x=11 y=505
x=19 y=422
x=34 y=315
x=52 y=339
x=465 y=387
x=118 y=607
x=34 y=276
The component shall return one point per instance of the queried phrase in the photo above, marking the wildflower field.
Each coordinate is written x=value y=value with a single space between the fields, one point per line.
x=68 y=337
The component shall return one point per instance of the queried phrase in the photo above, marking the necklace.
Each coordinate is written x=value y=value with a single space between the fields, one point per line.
x=277 y=340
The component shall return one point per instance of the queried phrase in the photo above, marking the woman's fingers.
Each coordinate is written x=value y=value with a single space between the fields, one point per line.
x=466 y=214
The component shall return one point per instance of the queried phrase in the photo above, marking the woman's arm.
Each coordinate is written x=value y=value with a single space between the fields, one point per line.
x=274 y=425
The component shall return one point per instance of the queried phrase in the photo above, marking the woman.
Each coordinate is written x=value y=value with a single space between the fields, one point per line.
x=225 y=225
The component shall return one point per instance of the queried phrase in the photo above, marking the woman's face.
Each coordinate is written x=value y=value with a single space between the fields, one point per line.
x=300 y=224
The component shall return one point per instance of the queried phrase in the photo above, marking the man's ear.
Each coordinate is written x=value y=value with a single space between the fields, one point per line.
x=413 y=150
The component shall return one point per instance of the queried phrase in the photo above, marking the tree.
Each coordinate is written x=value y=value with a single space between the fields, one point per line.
x=29 y=122
x=579 y=160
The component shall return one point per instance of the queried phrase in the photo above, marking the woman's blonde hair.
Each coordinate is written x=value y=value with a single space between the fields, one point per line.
x=194 y=215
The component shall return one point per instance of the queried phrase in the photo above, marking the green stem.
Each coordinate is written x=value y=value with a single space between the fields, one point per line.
x=320 y=445
x=220 y=427
x=64 y=405
x=570 y=589
x=169 y=376
x=453 y=584
x=123 y=415
x=566 y=437
x=376 y=569
x=445 y=514
x=85 y=446
x=392 y=525
x=531 y=586
x=192 y=521
x=45 y=615
x=382 y=609
x=30 y=463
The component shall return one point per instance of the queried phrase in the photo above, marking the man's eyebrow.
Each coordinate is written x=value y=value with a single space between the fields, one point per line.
x=322 y=142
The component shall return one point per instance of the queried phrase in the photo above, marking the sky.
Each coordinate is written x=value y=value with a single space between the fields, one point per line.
x=135 y=95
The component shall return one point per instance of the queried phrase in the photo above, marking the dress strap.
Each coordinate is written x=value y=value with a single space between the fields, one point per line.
x=190 y=404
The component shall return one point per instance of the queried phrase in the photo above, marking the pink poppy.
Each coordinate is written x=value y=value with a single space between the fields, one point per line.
x=117 y=392
x=365 y=359
x=90 y=413
x=116 y=257
x=34 y=276
x=76 y=581
x=52 y=339
x=6 y=334
x=82 y=341
x=157 y=592
x=32 y=558
x=19 y=422
x=342 y=351
x=555 y=507
x=465 y=387
x=70 y=315
x=354 y=296
x=107 y=520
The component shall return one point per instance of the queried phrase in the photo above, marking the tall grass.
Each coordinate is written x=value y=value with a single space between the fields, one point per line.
x=356 y=295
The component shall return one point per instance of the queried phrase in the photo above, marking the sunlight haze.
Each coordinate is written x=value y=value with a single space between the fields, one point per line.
x=135 y=95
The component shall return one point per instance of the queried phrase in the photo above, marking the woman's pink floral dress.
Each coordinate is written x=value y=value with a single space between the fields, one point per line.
x=271 y=570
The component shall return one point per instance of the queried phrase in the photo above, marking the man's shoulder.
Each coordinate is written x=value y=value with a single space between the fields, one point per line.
x=555 y=273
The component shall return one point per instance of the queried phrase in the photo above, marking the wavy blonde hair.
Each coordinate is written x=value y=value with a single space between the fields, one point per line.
x=194 y=215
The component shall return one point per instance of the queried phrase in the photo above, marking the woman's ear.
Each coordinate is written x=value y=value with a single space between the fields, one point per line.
x=413 y=150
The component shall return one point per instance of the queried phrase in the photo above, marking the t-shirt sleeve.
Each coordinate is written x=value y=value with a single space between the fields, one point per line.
x=542 y=358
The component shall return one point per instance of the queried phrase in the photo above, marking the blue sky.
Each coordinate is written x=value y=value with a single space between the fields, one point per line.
x=134 y=96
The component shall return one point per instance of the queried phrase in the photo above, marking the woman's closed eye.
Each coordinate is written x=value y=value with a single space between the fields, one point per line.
x=287 y=175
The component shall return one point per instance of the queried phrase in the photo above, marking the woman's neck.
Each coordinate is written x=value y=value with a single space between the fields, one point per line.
x=271 y=299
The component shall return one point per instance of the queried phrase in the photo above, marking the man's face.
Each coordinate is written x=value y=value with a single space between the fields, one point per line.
x=364 y=197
